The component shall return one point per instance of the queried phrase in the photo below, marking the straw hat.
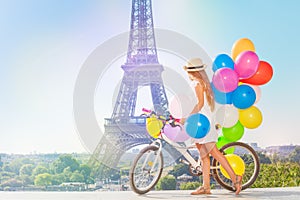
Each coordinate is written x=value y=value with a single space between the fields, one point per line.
x=194 y=65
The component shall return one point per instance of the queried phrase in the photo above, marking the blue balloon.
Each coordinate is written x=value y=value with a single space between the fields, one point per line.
x=243 y=97
x=222 y=60
x=221 y=97
x=197 y=125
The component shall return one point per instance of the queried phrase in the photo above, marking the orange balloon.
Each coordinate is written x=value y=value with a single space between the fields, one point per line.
x=263 y=74
x=240 y=46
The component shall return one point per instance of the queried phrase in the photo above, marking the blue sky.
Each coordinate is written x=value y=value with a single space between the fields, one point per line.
x=43 y=45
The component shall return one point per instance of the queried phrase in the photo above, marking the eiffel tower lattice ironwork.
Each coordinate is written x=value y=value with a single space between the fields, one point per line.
x=124 y=130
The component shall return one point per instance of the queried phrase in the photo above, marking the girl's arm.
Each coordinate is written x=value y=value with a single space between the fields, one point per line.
x=200 y=96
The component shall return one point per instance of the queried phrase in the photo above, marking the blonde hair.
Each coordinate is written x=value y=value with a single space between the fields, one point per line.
x=202 y=77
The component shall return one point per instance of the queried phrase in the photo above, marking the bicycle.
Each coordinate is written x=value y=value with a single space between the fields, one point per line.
x=148 y=165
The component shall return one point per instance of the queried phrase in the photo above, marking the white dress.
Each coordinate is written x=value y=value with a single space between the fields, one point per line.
x=212 y=135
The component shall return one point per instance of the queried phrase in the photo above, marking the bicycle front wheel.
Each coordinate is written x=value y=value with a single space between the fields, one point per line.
x=146 y=170
x=250 y=159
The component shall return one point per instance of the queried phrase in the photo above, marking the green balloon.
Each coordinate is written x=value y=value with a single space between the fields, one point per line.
x=234 y=133
x=223 y=141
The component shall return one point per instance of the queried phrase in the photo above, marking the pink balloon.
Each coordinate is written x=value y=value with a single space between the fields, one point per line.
x=176 y=134
x=225 y=79
x=246 y=64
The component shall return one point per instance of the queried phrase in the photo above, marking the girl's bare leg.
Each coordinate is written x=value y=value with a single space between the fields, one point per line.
x=206 y=171
x=205 y=189
x=225 y=164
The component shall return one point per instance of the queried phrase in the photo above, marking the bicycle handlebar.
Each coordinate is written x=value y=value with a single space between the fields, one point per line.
x=169 y=118
x=146 y=110
x=150 y=112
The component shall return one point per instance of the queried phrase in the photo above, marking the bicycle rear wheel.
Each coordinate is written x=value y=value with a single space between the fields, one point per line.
x=146 y=170
x=250 y=159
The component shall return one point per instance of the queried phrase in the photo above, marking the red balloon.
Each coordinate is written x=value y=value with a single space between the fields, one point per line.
x=263 y=74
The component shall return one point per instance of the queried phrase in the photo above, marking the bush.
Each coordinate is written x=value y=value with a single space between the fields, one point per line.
x=278 y=175
x=166 y=183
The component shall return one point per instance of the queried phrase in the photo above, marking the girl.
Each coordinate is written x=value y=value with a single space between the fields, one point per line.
x=207 y=145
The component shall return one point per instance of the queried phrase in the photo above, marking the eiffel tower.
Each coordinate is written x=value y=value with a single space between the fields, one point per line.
x=124 y=130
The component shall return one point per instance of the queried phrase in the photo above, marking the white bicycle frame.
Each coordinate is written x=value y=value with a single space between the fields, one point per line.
x=180 y=148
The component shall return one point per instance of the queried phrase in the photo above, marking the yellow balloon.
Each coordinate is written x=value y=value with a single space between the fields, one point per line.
x=153 y=126
x=237 y=164
x=251 y=117
x=241 y=45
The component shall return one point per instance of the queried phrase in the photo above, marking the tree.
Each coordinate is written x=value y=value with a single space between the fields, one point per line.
x=43 y=180
x=27 y=180
x=167 y=183
x=26 y=170
x=65 y=161
x=16 y=164
x=39 y=170
x=67 y=173
x=96 y=169
x=58 y=179
x=76 y=177
x=275 y=158
x=179 y=169
x=114 y=174
x=6 y=168
x=85 y=170
x=263 y=158
x=25 y=174
x=295 y=155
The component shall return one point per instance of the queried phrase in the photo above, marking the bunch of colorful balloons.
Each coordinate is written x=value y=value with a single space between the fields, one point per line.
x=236 y=85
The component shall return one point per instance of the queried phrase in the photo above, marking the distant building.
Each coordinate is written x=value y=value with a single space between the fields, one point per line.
x=184 y=178
x=284 y=150
x=73 y=184
x=255 y=147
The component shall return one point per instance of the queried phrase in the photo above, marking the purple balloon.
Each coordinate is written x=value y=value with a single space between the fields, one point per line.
x=176 y=134
x=246 y=64
x=225 y=79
